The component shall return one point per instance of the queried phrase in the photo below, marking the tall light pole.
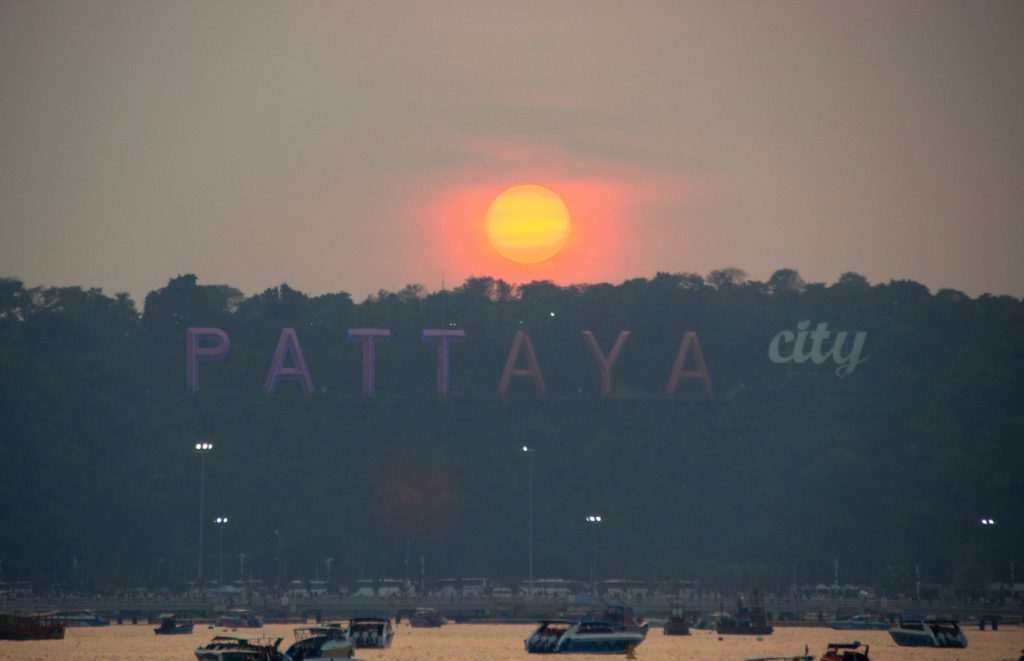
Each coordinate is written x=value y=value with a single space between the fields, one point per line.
x=529 y=472
x=203 y=449
x=221 y=521
x=989 y=522
x=241 y=567
x=593 y=520
x=280 y=565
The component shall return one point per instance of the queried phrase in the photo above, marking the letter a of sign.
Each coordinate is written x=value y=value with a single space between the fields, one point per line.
x=522 y=342
x=700 y=371
x=288 y=343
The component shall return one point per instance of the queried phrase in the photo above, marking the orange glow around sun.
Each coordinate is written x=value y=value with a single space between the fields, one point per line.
x=528 y=224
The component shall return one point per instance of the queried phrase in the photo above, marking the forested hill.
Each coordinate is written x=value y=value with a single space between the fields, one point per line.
x=870 y=423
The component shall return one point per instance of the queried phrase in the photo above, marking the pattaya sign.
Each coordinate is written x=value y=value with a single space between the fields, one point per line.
x=210 y=344
x=289 y=364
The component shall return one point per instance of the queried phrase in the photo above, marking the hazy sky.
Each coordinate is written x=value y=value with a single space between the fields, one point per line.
x=355 y=146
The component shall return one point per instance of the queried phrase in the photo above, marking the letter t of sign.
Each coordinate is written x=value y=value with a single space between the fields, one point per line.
x=369 y=338
x=444 y=338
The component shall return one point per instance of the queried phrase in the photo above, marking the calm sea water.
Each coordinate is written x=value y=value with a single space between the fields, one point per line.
x=504 y=642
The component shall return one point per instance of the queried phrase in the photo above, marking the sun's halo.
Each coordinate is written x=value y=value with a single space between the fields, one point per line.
x=528 y=224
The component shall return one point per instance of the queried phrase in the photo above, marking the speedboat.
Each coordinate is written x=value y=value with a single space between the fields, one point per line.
x=565 y=637
x=239 y=618
x=81 y=619
x=231 y=648
x=427 y=617
x=170 y=624
x=370 y=632
x=928 y=632
x=860 y=621
x=322 y=642
x=846 y=652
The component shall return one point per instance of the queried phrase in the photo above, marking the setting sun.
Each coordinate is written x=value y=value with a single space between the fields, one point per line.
x=528 y=224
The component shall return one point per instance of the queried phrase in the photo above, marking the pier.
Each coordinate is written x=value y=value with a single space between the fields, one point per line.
x=781 y=610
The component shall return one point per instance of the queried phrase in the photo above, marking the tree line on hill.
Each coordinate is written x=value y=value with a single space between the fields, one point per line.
x=780 y=470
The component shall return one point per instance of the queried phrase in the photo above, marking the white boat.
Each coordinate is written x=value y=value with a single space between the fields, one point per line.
x=928 y=632
x=565 y=637
x=321 y=642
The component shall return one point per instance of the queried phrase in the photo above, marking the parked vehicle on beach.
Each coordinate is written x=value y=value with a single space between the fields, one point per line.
x=565 y=637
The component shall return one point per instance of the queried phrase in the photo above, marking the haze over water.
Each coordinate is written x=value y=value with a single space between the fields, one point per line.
x=498 y=642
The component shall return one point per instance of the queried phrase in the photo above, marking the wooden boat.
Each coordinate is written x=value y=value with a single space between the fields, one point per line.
x=35 y=626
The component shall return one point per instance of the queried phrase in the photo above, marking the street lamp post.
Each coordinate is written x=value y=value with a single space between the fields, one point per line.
x=529 y=472
x=203 y=449
x=241 y=567
x=989 y=522
x=593 y=520
x=220 y=521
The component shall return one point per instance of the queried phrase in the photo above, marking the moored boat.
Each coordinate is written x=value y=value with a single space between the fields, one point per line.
x=748 y=620
x=427 y=617
x=81 y=619
x=170 y=625
x=846 y=652
x=928 y=632
x=370 y=632
x=34 y=626
x=565 y=637
x=676 y=625
x=232 y=648
x=240 y=618
x=321 y=642
x=861 y=621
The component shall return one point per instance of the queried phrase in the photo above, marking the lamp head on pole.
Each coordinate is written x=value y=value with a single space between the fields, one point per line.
x=593 y=518
x=204 y=446
x=221 y=519
x=986 y=521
